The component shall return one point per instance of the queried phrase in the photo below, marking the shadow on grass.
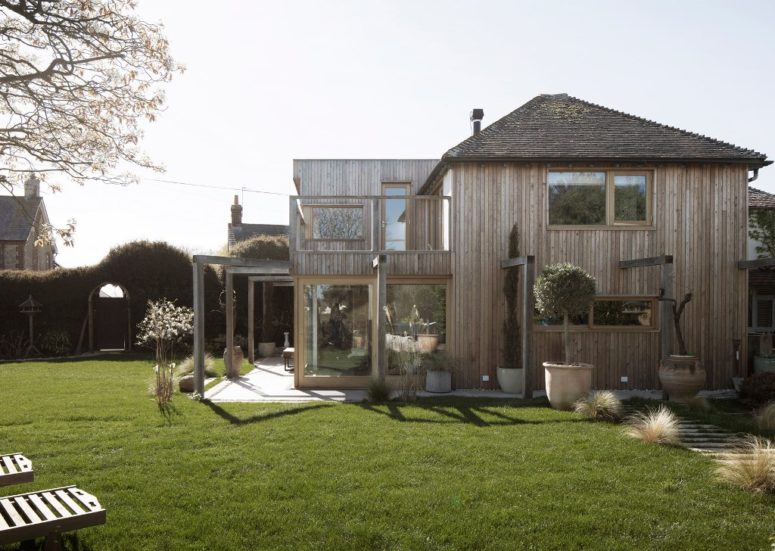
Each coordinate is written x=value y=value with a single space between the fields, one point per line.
x=88 y=357
x=169 y=411
x=455 y=411
x=68 y=542
x=234 y=420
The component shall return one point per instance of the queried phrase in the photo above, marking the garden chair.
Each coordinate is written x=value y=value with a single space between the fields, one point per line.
x=15 y=469
x=47 y=513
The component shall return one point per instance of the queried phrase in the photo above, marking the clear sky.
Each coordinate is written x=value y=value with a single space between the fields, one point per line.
x=267 y=82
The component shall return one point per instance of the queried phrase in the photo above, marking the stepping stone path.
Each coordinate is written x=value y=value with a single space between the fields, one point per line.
x=708 y=439
x=702 y=437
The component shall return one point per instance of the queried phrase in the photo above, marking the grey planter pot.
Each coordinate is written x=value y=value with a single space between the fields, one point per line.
x=511 y=380
x=438 y=381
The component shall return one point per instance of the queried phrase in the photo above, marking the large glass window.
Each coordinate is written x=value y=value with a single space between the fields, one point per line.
x=337 y=330
x=338 y=222
x=416 y=328
x=576 y=198
x=395 y=216
x=598 y=198
x=630 y=197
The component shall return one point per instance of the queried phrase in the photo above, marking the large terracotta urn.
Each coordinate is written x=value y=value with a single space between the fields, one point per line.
x=566 y=384
x=682 y=377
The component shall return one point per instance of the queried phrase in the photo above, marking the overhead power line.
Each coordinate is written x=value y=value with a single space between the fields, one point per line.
x=225 y=188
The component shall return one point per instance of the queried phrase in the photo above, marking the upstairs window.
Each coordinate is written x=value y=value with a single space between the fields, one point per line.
x=338 y=222
x=599 y=198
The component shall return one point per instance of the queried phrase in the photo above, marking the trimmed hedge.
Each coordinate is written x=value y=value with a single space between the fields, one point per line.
x=147 y=270
x=264 y=247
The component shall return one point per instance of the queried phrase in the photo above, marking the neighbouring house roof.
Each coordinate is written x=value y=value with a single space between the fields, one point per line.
x=243 y=232
x=561 y=128
x=758 y=199
x=17 y=216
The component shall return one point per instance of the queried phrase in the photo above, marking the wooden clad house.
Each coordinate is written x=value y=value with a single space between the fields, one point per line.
x=385 y=253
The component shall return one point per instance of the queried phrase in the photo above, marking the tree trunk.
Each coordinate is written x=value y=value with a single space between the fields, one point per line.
x=566 y=354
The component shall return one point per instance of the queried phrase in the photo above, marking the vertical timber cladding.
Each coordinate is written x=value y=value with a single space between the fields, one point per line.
x=700 y=217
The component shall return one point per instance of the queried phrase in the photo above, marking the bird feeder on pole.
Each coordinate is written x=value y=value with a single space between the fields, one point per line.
x=31 y=307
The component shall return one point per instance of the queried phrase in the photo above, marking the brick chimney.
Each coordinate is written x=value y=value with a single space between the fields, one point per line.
x=32 y=188
x=236 y=212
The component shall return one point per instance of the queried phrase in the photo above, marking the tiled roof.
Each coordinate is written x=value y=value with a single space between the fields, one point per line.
x=758 y=199
x=16 y=217
x=247 y=231
x=560 y=127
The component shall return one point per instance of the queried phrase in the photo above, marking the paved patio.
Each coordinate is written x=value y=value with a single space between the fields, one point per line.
x=269 y=382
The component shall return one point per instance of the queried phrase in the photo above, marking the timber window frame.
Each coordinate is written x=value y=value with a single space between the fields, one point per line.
x=609 y=218
x=408 y=215
x=590 y=325
x=762 y=309
x=311 y=214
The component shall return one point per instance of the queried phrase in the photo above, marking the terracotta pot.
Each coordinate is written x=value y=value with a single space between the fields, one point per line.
x=565 y=384
x=438 y=381
x=682 y=377
x=510 y=380
x=427 y=343
x=265 y=349
x=232 y=371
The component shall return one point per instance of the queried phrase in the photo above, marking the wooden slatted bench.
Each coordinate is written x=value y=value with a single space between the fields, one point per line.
x=47 y=513
x=15 y=469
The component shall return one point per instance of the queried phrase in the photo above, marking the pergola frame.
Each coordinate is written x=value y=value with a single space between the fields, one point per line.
x=666 y=295
x=262 y=270
x=527 y=263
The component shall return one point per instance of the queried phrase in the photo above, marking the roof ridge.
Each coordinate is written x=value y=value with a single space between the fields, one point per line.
x=489 y=128
x=667 y=126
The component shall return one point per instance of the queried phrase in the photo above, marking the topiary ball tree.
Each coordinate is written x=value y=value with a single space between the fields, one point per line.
x=561 y=291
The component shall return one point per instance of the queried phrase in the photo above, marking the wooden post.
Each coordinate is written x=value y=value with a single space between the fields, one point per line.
x=91 y=323
x=229 y=321
x=376 y=226
x=528 y=305
x=128 y=320
x=666 y=310
x=293 y=222
x=251 y=320
x=199 y=328
x=379 y=263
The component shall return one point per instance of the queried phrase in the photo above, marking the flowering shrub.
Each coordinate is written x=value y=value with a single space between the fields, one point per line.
x=164 y=325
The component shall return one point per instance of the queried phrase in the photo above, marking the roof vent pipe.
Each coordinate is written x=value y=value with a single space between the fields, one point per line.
x=476 y=117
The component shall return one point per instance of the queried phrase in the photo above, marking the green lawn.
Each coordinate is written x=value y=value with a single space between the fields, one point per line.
x=441 y=474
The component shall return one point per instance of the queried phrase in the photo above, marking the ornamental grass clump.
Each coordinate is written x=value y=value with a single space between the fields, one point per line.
x=654 y=426
x=186 y=367
x=164 y=325
x=766 y=417
x=750 y=466
x=378 y=391
x=564 y=291
x=602 y=405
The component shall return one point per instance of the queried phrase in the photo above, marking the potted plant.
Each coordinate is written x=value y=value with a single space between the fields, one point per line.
x=681 y=374
x=511 y=375
x=438 y=372
x=565 y=291
x=427 y=341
